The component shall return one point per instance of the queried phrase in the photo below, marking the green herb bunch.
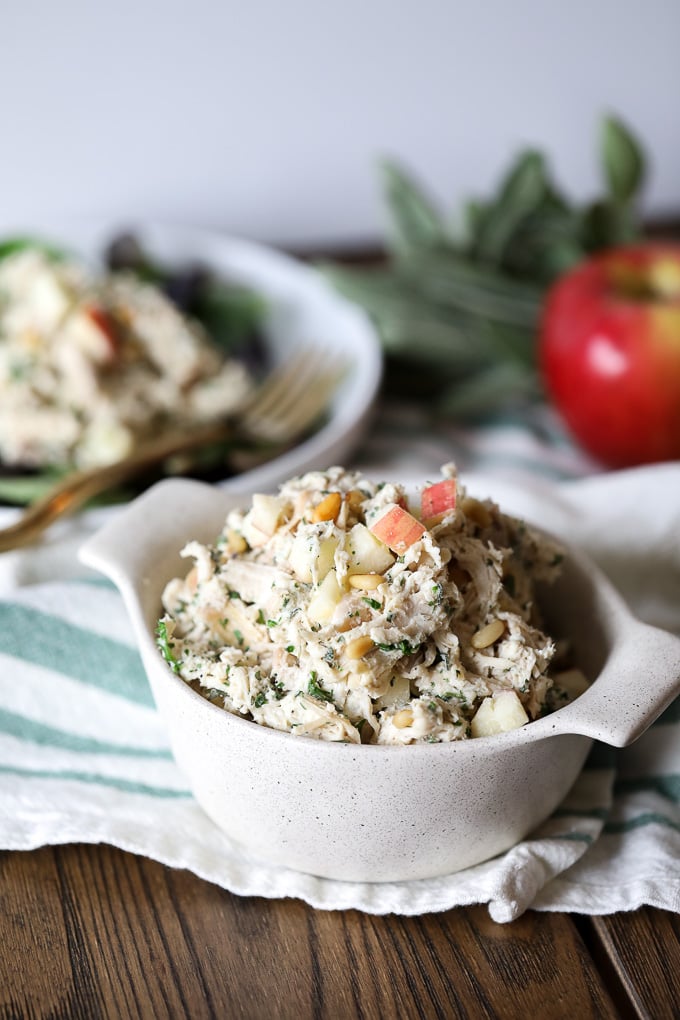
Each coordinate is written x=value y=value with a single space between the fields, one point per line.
x=457 y=308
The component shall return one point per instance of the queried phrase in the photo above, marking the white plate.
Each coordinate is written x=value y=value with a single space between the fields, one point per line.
x=303 y=310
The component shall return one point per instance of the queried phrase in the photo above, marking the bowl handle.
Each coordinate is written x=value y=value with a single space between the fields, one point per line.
x=622 y=703
x=134 y=539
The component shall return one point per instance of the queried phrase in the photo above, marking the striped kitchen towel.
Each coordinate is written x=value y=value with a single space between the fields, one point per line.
x=84 y=756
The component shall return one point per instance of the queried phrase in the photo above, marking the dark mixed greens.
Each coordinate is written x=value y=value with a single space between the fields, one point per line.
x=457 y=307
x=231 y=314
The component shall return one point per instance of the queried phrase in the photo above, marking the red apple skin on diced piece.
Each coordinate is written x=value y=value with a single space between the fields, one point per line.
x=101 y=319
x=439 y=499
x=398 y=529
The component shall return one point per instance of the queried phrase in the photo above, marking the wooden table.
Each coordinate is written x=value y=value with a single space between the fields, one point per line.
x=90 y=931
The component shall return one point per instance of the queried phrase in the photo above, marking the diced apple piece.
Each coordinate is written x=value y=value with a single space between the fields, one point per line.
x=496 y=715
x=438 y=499
x=367 y=554
x=253 y=536
x=325 y=600
x=398 y=529
x=398 y=692
x=266 y=513
x=311 y=557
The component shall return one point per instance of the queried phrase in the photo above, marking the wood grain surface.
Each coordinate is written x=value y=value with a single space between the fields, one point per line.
x=90 y=931
x=644 y=950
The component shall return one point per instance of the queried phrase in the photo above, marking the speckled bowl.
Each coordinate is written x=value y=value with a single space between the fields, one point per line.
x=375 y=813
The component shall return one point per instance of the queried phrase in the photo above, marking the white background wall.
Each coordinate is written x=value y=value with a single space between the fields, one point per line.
x=266 y=118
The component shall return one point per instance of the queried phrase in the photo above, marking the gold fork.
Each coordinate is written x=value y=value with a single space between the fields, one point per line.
x=279 y=411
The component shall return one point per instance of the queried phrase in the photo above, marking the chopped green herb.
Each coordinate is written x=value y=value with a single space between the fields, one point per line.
x=165 y=646
x=260 y=617
x=373 y=603
x=290 y=648
x=273 y=623
x=316 y=690
x=450 y=695
x=278 y=688
x=400 y=646
x=260 y=700
x=239 y=636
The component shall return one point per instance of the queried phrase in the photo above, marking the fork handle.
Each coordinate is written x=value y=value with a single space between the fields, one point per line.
x=67 y=496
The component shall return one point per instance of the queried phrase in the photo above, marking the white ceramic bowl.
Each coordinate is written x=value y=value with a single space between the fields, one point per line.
x=303 y=310
x=382 y=813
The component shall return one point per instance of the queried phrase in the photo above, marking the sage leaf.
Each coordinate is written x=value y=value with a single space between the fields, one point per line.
x=607 y=224
x=498 y=386
x=523 y=190
x=457 y=308
x=415 y=220
x=456 y=282
x=623 y=161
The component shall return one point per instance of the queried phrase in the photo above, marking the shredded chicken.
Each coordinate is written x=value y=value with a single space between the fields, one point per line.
x=340 y=609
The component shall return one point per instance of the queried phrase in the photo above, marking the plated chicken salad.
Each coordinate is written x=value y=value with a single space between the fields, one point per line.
x=91 y=363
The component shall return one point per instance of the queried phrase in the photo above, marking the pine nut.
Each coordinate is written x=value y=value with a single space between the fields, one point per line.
x=477 y=512
x=359 y=647
x=403 y=718
x=355 y=498
x=487 y=635
x=236 y=543
x=328 y=509
x=365 y=582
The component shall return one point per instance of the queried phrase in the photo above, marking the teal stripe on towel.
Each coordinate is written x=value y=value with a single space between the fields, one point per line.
x=71 y=775
x=641 y=822
x=55 y=644
x=667 y=786
x=576 y=837
x=38 y=733
x=598 y=813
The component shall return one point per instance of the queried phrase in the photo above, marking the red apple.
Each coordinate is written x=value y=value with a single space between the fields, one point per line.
x=610 y=353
